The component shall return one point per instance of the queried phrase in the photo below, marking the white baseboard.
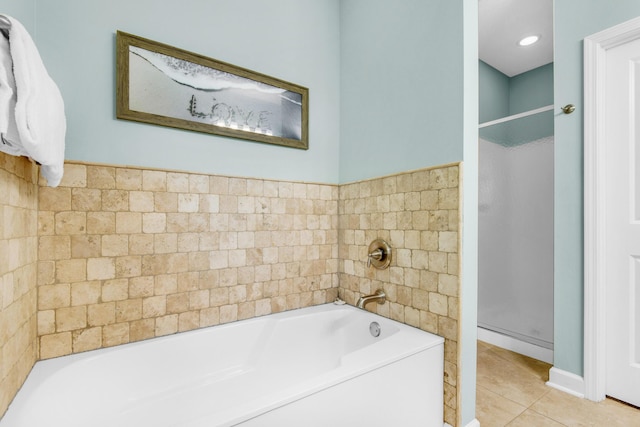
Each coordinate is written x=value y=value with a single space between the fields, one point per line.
x=567 y=382
x=518 y=346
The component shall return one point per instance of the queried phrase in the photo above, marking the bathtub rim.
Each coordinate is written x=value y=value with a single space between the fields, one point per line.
x=247 y=410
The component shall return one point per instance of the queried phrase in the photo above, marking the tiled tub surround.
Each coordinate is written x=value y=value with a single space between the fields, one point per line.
x=127 y=254
x=123 y=254
x=18 y=266
x=417 y=213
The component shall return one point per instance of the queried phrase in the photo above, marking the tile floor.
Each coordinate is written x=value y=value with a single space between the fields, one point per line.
x=511 y=391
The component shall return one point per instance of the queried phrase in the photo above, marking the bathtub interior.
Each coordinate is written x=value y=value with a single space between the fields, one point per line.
x=227 y=370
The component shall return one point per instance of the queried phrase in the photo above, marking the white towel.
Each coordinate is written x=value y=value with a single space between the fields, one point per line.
x=39 y=110
x=8 y=130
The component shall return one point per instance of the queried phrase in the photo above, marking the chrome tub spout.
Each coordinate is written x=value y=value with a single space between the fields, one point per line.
x=379 y=296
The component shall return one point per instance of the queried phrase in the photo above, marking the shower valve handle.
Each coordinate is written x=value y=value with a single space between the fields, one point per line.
x=377 y=254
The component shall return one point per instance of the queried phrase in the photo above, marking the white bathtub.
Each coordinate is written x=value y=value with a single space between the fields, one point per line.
x=317 y=366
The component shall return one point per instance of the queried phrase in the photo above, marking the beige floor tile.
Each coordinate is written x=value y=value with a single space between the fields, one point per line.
x=576 y=412
x=512 y=392
x=530 y=418
x=624 y=411
x=493 y=410
x=483 y=346
x=509 y=380
x=535 y=367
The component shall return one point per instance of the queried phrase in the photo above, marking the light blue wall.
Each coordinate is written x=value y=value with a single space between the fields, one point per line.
x=574 y=20
x=520 y=131
x=402 y=97
x=531 y=90
x=494 y=93
x=502 y=96
x=22 y=10
x=524 y=92
x=297 y=41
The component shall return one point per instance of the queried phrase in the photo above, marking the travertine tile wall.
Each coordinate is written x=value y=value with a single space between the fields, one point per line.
x=418 y=214
x=18 y=266
x=124 y=254
x=127 y=254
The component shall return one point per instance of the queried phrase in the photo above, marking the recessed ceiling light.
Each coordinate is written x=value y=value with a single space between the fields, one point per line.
x=529 y=40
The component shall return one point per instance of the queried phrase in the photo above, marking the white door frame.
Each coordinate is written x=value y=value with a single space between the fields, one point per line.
x=595 y=48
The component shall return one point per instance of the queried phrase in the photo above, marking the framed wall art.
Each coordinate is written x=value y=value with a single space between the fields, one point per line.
x=167 y=86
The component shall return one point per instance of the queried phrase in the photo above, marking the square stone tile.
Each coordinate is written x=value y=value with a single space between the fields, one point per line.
x=494 y=410
x=573 y=411
x=516 y=383
x=530 y=418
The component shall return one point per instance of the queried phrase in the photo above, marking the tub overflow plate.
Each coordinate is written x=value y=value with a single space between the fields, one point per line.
x=374 y=329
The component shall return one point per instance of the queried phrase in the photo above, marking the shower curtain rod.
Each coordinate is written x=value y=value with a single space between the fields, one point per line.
x=516 y=116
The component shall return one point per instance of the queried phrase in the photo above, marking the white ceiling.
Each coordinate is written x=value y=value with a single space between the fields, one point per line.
x=502 y=23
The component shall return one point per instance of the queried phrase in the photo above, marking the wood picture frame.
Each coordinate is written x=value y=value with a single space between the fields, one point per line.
x=167 y=86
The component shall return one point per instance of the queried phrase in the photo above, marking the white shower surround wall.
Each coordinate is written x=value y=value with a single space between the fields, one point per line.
x=516 y=241
x=315 y=366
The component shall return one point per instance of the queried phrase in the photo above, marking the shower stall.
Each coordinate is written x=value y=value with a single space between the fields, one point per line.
x=515 y=283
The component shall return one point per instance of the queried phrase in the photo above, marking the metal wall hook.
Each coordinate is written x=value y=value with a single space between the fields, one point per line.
x=568 y=109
